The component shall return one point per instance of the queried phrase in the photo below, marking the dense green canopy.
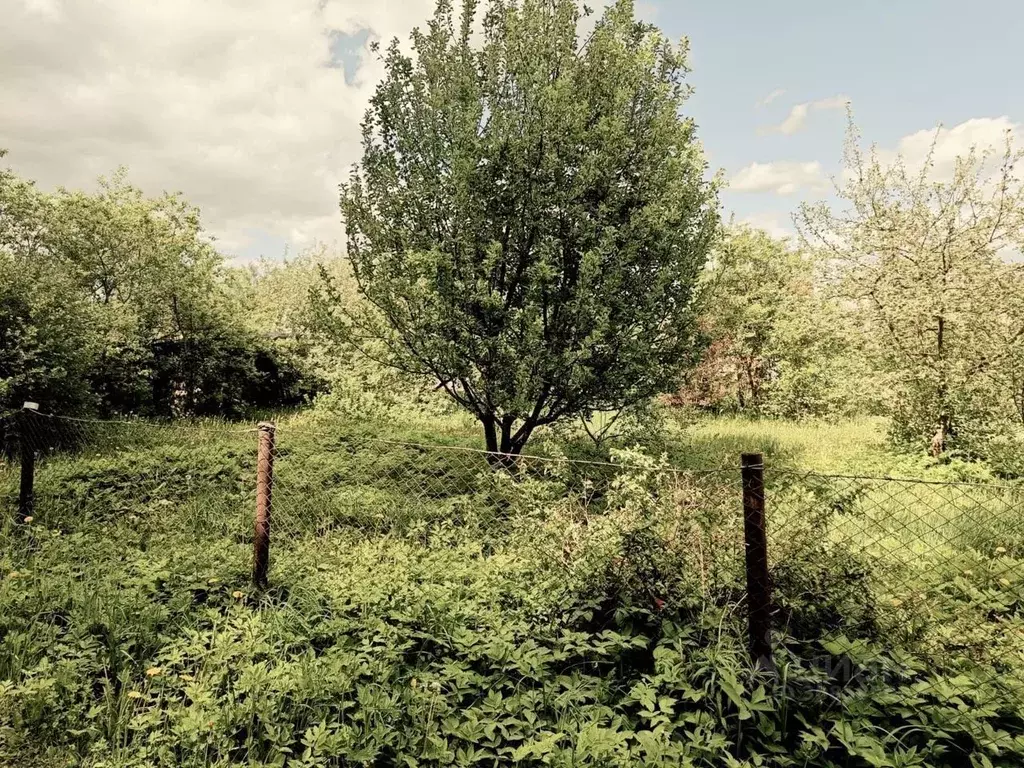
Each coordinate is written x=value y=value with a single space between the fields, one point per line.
x=531 y=214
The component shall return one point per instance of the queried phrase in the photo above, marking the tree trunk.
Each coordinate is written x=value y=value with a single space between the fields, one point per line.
x=490 y=435
x=939 y=439
x=938 y=446
x=755 y=391
x=504 y=446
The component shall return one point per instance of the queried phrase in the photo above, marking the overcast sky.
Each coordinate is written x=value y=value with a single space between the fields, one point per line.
x=252 y=107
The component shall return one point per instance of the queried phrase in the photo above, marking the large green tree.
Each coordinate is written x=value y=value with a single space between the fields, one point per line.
x=530 y=215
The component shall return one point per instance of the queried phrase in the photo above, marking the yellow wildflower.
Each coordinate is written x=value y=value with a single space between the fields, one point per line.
x=153 y=671
x=237 y=594
x=186 y=678
x=134 y=695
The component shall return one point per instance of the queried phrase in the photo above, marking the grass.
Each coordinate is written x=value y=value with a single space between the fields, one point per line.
x=814 y=446
x=425 y=611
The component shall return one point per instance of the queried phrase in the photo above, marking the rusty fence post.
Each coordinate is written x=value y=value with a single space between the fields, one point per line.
x=264 y=491
x=756 y=546
x=26 y=489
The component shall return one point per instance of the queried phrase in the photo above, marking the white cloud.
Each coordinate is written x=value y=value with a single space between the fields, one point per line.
x=782 y=177
x=797 y=117
x=984 y=133
x=770 y=223
x=233 y=104
x=771 y=97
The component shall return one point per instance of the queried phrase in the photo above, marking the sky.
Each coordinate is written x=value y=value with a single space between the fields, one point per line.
x=251 y=108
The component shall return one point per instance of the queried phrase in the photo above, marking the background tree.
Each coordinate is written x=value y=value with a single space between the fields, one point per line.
x=115 y=302
x=153 y=274
x=1006 y=339
x=922 y=256
x=48 y=336
x=778 y=341
x=530 y=216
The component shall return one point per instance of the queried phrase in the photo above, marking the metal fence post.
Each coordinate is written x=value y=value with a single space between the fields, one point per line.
x=756 y=546
x=264 y=489
x=26 y=489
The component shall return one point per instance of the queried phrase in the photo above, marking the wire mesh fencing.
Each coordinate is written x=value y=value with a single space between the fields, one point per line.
x=913 y=587
x=148 y=481
x=205 y=481
x=886 y=582
x=331 y=489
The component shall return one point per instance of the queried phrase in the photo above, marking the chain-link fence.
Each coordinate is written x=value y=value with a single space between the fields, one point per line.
x=189 y=481
x=932 y=571
x=907 y=587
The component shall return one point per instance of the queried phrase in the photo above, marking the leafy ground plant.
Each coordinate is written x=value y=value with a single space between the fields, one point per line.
x=552 y=616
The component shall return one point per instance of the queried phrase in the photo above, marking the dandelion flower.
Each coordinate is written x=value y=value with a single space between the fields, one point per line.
x=153 y=671
x=134 y=695
x=237 y=594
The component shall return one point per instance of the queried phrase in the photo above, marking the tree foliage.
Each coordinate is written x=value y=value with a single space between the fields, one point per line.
x=115 y=302
x=923 y=257
x=530 y=214
x=779 y=343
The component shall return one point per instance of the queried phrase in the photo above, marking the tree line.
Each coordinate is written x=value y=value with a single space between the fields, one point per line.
x=906 y=300
x=114 y=303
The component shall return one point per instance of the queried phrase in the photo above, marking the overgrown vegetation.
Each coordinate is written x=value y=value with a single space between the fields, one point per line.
x=534 y=247
x=425 y=610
